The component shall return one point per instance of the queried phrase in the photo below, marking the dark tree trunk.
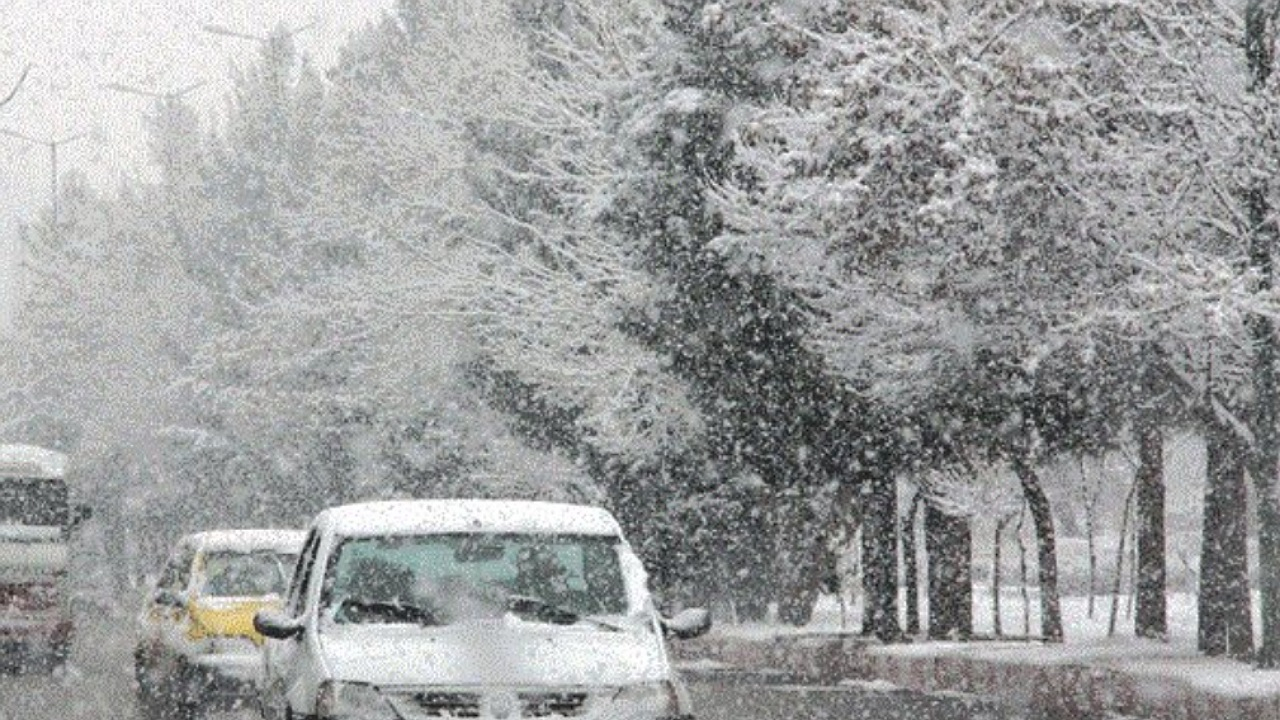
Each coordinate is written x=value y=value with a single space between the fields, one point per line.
x=1022 y=573
x=910 y=570
x=949 y=548
x=1046 y=549
x=1259 y=30
x=1118 y=579
x=1150 y=618
x=1225 y=618
x=880 y=557
x=1090 y=496
x=997 y=574
x=801 y=558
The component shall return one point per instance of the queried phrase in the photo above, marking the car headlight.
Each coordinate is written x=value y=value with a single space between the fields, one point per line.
x=352 y=701
x=650 y=701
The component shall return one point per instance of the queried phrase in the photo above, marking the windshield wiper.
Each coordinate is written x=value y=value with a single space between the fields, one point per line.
x=356 y=610
x=541 y=610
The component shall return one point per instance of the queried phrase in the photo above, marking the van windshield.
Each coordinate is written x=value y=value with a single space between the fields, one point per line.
x=443 y=578
x=33 y=501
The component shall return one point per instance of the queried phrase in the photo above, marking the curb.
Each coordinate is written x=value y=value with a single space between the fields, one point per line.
x=1066 y=691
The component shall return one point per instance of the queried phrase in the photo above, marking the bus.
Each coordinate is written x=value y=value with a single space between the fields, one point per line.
x=36 y=520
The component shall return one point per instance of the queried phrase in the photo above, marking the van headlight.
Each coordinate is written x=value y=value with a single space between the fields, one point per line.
x=338 y=700
x=648 y=701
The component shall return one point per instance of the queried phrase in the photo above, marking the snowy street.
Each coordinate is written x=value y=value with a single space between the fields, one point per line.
x=644 y=359
x=729 y=696
x=98 y=685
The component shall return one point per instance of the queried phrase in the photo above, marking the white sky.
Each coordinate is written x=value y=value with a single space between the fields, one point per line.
x=78 y=46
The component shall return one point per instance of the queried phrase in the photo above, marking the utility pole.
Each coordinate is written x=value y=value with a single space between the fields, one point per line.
x=1260 y=20
x=225 y=31
x=170 y=97
x=167 y=101
x=53 y=145
x=273 y=43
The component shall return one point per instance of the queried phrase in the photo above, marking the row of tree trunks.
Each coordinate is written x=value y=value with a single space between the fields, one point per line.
x=1259 y=46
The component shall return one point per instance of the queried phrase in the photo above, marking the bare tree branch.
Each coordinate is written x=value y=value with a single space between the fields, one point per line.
x=16 y=86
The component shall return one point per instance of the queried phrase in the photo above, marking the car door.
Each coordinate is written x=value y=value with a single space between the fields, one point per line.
x=158 y=617
x=174 y=619
x=284 y=660
x=160 y=620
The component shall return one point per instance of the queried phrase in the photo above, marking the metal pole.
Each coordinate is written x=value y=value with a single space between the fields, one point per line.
x=53 y=163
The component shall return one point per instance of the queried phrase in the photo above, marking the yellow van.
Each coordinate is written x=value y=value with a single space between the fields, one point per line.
x=197 y=649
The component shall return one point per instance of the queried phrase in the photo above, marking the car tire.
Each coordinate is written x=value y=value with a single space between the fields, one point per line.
x=268 y=712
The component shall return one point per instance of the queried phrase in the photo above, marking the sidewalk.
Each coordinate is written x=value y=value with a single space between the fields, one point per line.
x=1091 y=676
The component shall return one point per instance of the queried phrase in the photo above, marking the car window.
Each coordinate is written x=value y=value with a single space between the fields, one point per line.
x=177 y=571
x=456 y=575
x=251 y=574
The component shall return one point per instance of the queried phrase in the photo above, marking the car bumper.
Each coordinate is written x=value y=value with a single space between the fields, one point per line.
x=223 y=680
x=50 y=633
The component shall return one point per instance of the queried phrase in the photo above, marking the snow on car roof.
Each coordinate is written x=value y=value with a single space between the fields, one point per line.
x=247 y=540
x=439 y=516
x=31 y=461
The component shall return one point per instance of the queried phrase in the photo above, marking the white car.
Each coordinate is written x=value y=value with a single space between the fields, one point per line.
x=470 y=608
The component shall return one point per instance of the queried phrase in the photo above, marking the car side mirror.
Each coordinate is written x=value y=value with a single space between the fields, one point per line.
x=688 y=624
x=169 y=599
x=276 y=625
x=77 y=516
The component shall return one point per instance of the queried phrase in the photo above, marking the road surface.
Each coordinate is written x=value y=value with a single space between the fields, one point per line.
x=741 y=696
x=97 y=685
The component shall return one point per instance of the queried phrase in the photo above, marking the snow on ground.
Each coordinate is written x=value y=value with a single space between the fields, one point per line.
x=96 y=685
x=1087 y=642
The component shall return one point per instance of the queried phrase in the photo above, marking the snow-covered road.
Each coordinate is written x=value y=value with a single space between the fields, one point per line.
x=744 y=696
x=95 y=684
x=98 y=685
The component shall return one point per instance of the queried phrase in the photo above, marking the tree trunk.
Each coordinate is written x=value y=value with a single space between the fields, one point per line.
x=997 y=626
x=1224 y=612
x=1090 y=501
x=1259 y=18
x=801 y=558
x=1150 y=619
x=880 y=557
x=1046 y=549
x=910 y=569
x=949 y=550
x=1120 y=548
x=1022 y=573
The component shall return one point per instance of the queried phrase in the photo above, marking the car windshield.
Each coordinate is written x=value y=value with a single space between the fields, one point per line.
x=445 y=578
x=246 y=574
x=32 y=501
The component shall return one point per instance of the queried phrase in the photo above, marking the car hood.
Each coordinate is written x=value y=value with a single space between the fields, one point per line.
x=493 y=654
x=230 y=617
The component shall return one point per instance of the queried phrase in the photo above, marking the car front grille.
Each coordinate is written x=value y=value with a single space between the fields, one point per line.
x=469 y=704
x=552 y=704
x=448 y=704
